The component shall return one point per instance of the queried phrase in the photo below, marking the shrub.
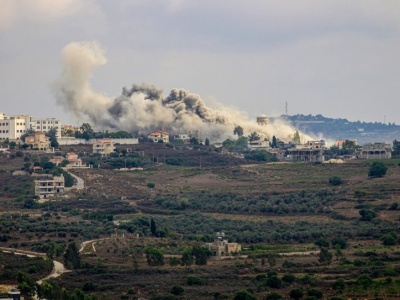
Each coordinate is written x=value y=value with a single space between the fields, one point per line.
x=367 y=215
x=377 y=169
x=177 y=290
x=389 y=239
x=274 y=296
x=335 y=180
x=193 y=280
x=339 y=241
x=296 y=293
x=244 y=295
x=315 y=293
x=289 y=278
x=151 y=185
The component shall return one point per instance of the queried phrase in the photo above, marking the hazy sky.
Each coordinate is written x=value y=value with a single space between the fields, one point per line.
x=338 y=58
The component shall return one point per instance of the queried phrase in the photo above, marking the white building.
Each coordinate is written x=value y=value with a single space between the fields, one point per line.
x=12 y=127
x=45 y=125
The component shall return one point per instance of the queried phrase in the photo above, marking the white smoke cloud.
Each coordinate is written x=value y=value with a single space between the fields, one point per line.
x=143 y=108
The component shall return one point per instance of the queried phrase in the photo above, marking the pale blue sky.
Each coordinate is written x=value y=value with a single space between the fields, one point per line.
x=337 y=58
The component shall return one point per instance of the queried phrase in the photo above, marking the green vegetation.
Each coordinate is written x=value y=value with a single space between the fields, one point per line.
x=377 y=169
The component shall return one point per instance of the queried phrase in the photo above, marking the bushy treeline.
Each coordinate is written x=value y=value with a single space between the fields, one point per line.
x=34 y=228
x=262 y=203
x=198 y=226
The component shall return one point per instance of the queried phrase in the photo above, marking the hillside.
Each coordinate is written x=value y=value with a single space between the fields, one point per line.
x=341 y=129
x=282 y=214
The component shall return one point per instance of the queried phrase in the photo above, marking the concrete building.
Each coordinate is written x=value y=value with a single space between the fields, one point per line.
x=185 y=137
x=259 y=144
x=221 y=247
x=158 y=135
x=45 y=125
x=376 y=151
x=38 y=141
x=12 y=127
x=104 y=146
x=49 y=187
x=74 y=160
x=312 y=151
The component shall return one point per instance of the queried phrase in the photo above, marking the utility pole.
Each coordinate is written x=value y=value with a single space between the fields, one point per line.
x=286 y=108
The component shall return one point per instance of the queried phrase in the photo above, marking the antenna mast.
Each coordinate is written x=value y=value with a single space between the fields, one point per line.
x=286 y=108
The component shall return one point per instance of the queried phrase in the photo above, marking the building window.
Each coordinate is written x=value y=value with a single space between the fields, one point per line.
x=38 y=122
x=44 y=127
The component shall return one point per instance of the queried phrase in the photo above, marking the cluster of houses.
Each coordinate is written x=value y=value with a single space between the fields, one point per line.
x=315 y=151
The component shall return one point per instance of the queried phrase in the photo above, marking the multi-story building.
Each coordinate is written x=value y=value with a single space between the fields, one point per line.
x=221 y=247
x=159 y=135
x=49 y=187
x=104 y=146
x=45 y=125
x=38 y=141
x=376 y=151
x=312 y=151
x=13 y=127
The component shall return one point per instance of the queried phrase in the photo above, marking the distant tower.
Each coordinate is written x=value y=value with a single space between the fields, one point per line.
x=286 y=108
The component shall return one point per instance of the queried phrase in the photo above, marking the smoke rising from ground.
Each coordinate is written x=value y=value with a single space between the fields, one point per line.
x=142 y=108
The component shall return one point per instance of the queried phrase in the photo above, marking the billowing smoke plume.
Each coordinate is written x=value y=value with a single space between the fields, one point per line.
x=143 y=108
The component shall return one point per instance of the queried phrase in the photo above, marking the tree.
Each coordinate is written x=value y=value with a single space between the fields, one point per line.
x=71 y=256
x=339 y=285
x=228 y=143
x=52 y=134
x=274 y=296
x=389 y=239
x=396 y=148
x=339 y=241
x=201 y=254
x=86 y=133
x=296 y=137
x=296 y=293
x=325 y=256
x=367 y=214
x=365 y=281
x=274 y=143
x=315 y=293
x=154 y=256
x=47 y=290
x=177 y=290
x=348 y=147
x=153 y=227
x=187 y=258
x=253 y=137
x=238 y=131
x=207 y=142
x=194 y=141
x=377 y=169
x=321 y=242
x=244 y=295
x=242 y=142
x=289 y=278
x=26 y=284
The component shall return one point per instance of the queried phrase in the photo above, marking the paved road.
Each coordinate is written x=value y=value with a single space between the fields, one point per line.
x=58 y=268
x=80 y=184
